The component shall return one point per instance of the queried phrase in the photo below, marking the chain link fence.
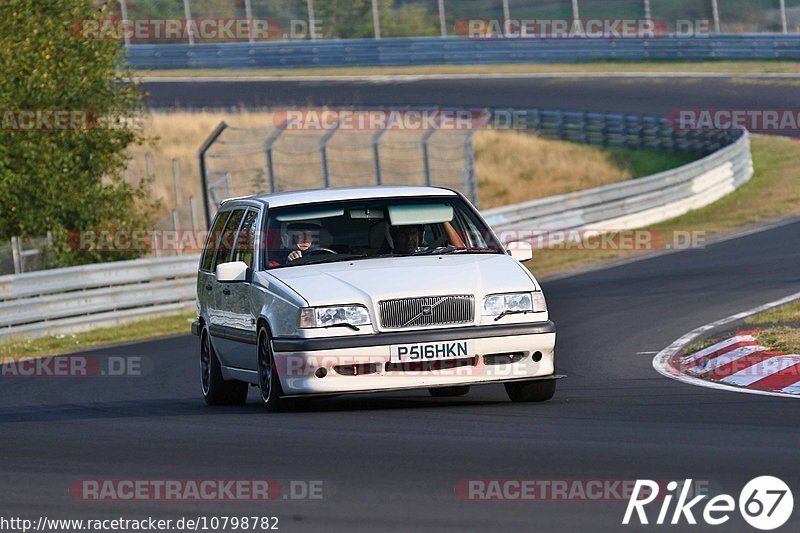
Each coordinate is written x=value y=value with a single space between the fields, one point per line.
x=270 y=159
x=330 y=19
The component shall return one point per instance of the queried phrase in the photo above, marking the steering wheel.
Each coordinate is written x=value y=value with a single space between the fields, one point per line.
x=318 y=251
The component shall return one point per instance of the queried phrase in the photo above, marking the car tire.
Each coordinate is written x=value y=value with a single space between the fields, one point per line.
x=531 y=391
x=269 y=384
x=217 y=391
x=449 y=392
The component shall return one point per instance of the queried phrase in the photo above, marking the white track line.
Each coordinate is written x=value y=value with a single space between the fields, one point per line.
x=660 y=361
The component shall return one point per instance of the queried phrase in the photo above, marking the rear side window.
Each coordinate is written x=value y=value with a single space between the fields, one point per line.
x=212 y=243
x=227 y=237
x=246 y=240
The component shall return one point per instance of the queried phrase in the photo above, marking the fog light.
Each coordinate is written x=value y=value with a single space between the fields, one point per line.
x=537 y=356
x=321 y=372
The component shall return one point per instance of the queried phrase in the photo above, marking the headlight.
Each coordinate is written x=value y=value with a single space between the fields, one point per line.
x=326 y=317
x=506 y=304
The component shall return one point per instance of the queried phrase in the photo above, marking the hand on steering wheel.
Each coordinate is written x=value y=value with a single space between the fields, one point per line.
x=297 y=254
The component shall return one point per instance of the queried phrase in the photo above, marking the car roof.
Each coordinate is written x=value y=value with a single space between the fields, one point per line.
x=286 y=199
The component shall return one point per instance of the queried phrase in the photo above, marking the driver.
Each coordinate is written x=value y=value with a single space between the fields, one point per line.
x=303 y=238
x=406 y=240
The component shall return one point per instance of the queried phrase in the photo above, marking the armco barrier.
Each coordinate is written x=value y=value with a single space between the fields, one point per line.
x=633 y=203
x=70 y=300
x=80 y=298
x=459 y=51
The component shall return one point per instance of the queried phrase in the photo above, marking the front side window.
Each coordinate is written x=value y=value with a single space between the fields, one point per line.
x=376 y=228
x=212 y=243
x=244 y=249
x=226 y=239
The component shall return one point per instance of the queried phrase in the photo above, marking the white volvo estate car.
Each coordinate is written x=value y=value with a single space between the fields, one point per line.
x=337 y=291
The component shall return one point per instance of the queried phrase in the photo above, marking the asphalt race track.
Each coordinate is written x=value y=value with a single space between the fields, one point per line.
x=645 y=95
x=393 y=461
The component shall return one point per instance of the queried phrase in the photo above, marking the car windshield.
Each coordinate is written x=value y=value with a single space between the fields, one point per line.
x=375 y=228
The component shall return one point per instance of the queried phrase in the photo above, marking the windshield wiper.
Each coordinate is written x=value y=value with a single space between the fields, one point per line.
x=472 y=251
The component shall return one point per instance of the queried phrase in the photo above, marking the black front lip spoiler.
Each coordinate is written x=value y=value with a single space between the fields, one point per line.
x=411 y=337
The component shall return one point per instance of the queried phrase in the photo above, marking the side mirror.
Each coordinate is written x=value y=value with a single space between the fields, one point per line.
x=520 y=250
x=236 y=272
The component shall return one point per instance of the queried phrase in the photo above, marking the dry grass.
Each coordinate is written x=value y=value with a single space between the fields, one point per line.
x=785 y=313
x=513 y=167
x=179 y=136
x=784 y=339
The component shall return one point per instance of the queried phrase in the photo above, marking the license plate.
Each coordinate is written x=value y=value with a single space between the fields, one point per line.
x=435 y=351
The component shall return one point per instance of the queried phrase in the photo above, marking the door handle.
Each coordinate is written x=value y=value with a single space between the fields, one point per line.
x=209 y=288
x=226 y=292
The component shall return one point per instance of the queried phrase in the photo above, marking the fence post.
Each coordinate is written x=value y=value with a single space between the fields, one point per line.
x=376 y=19
x=193 y=212
x=576 y=11
x=715 y=13
x=176 y=179
x=123 y=7
x=271 y=140
x=442 y=19
x=426 y=165
x=323 y=153
x=203 y=174
x=310 y=4
x=469 y=171
x=376 y=150
x=248 y=12
x=506 y=17
x=16 y=255
x=149 y=164
x=784 y=21
x=187 y=10
x=175 y=224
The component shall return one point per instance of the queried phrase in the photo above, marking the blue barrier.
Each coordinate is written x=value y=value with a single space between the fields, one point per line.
x=458 y=51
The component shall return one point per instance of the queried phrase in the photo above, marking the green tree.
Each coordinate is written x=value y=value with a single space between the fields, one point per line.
x=66 y=179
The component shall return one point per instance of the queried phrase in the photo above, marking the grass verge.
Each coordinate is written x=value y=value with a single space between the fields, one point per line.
x=779 y=328
x=150 y=328
x=700 y=67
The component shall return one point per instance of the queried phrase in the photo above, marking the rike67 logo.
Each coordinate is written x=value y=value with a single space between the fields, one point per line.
x=765 y=503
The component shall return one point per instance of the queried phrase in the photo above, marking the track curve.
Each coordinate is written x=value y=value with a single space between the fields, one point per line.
x=642 y=95
x=393 y=461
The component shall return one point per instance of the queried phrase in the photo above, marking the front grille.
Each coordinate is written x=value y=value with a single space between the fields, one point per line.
x=427 y=311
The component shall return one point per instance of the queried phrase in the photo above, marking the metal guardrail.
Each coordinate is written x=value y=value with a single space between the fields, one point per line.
x=81 y=298
x=458 y=51
x=631 y=204
x=70 y=300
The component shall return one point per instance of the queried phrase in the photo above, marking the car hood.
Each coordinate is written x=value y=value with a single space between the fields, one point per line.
x=370 y=281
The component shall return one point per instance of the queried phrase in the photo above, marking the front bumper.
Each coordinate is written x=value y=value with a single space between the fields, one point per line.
x=363 y=363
